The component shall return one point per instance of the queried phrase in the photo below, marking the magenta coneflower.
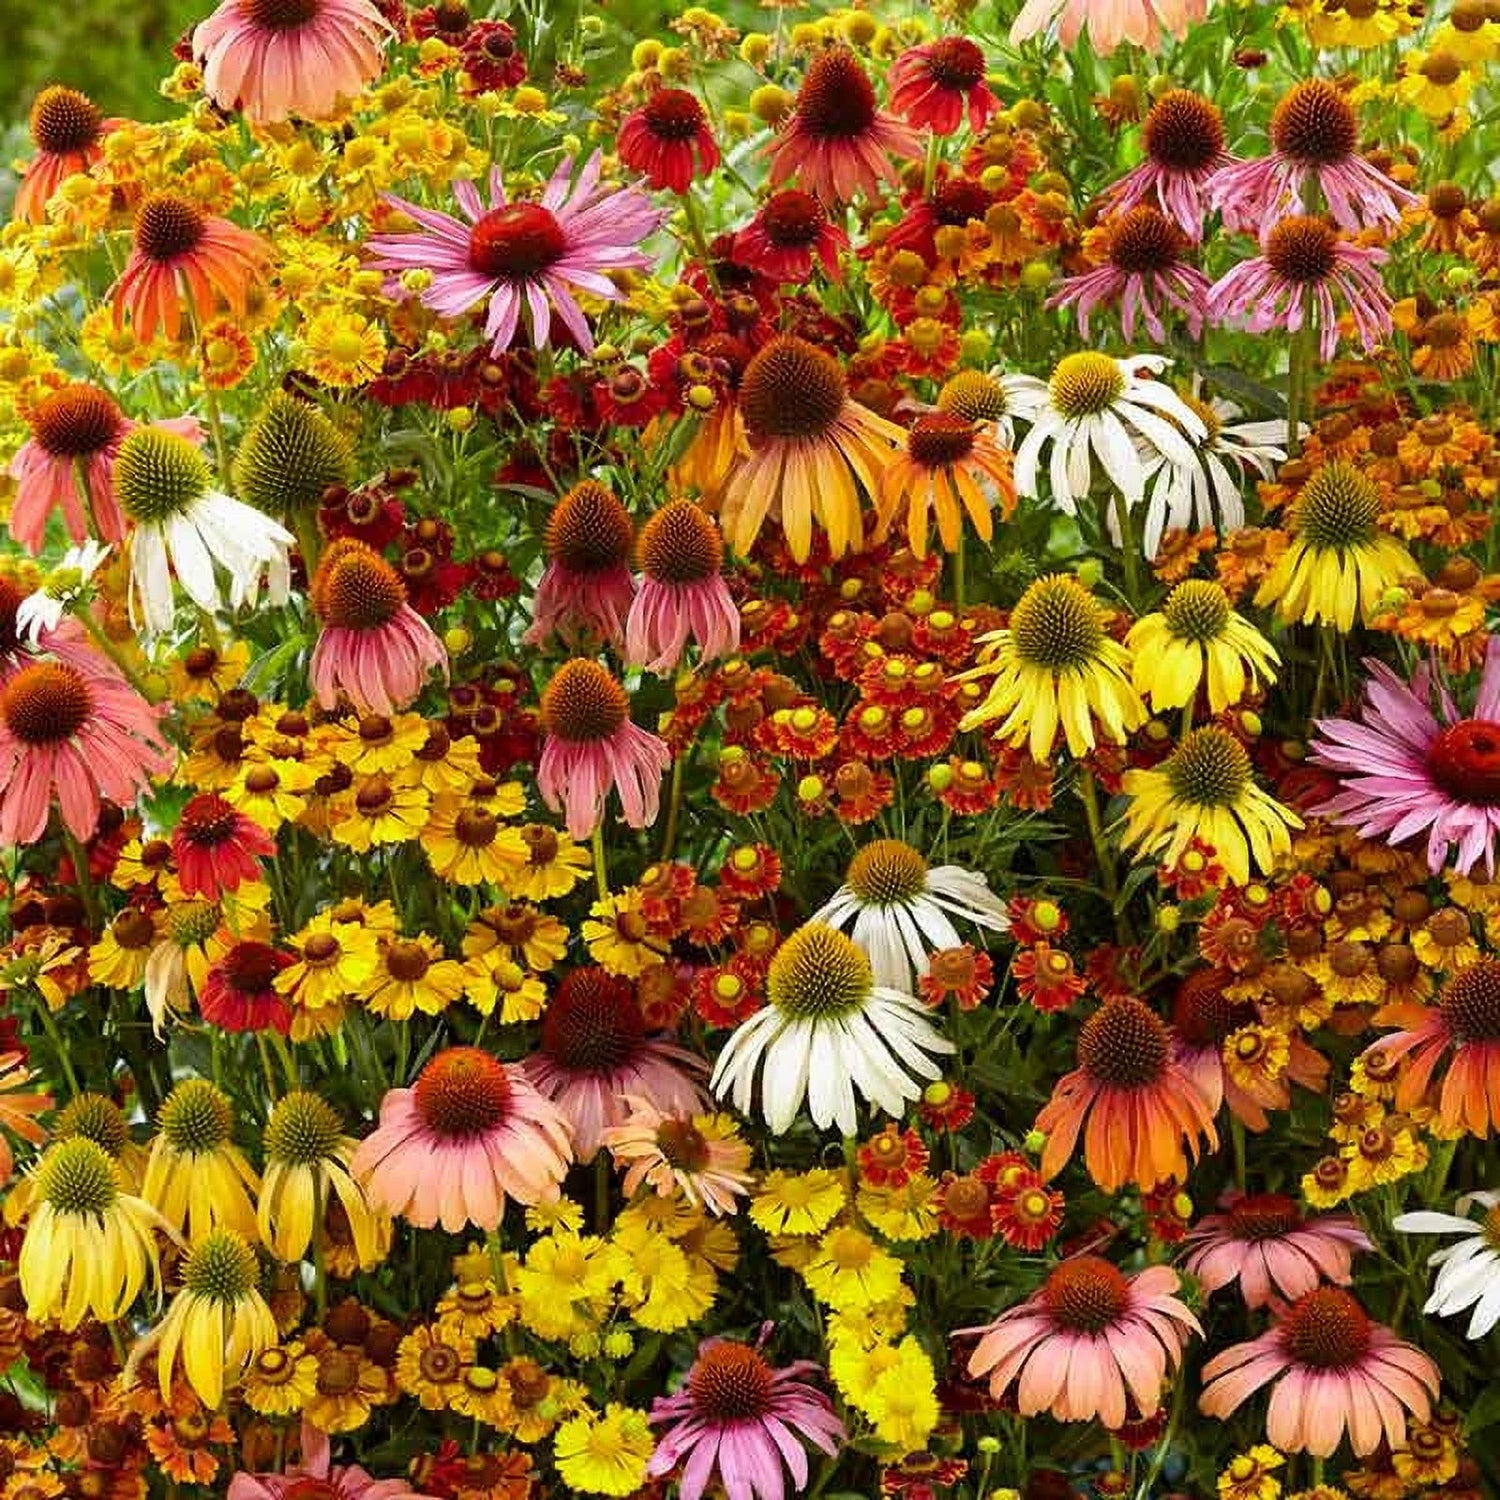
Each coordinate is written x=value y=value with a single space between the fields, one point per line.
x=1262 y=1242
x=592 y=747
x=1406 y=770
x=741 y=1418
x=74 y=736
x=239 y=992
x=683 y=596
x=1303 y=262
x=1144 y=277
x=838 y=143
x=586 y=588
x=470 y=1133
x=531 y=253
x=217 y=848
x=276 y=58
x=935 y=85
x=1183 y=137
x=1314 y=141
x=374 y=647
x=791 y=233
x=66 y=129
x=595 y=1051
x=1091 y=1342
x=668 y=141
x=316 y=1479
x=1335 y=1368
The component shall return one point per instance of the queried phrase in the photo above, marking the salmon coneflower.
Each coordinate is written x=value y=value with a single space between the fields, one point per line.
x=935 y=85
x=586 y=588
x=1090 y=1342
x=951 y=468
x=683 y=596
x=1335 y=1369
x=1108 y=22
x=1183 y=138
x=470 y=1133
x=668 y=141
x=591 y=747
x=699 y=1156
x=182 y=258
x=277 y=58
x=789 y=235
x=66 y=128
x=811 y=451
x=373 y=647
x=1139 y=1111
x=217 y=848
x=838 y=142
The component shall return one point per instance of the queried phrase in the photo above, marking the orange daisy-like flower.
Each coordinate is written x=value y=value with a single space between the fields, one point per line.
x=950 y=468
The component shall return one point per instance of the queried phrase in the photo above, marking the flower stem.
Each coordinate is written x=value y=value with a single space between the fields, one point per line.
x=1129 y=554
x=601 y=863
x=674 y=809
x=699 y=239
x=320 y=1271
x=55 y=1036
x=114 y=653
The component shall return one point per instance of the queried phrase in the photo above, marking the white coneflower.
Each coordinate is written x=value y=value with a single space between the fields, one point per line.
x=1468 y=1272
x=60 y=590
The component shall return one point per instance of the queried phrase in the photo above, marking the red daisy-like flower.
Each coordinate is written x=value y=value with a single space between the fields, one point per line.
x=217 y=847
x=963 y=974
x=239 y=993
x=892 y=1158
x=668 y=140
x=1046 y=978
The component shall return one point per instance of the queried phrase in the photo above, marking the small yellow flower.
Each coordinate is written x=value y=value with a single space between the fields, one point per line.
x=554 y=865
x=851 y=1270
x=467 y=844
x=605 y=1455
x=377 y=811
x=797 y=1203
x=1252 y=1475
x=412 y=975
x=281 y=1380
x=333 y=961
x=342 y=348
x=618 y=937
x=902 y=1401
x=430 y=1363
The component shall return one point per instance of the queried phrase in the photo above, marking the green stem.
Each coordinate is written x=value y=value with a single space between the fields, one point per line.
x=1237 y=1136
x=113 y=652
x=320 y=1271
x=1129 y=553
x=601 y=863
x=960 y=571
x=699 y=239
x=55 y=1036
x=674 y=809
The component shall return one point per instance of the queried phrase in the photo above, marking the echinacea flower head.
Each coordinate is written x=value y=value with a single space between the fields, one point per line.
x=471 y=1132
x=1406 y=767
x=1333 y=1368
x=67 y=128
x=1468 y=1269
x=829 y=1032
x=1054 y=666
x=1198 y=639
x=699 y=1156
x=1090 y=1343
x=1340 y=564
x=668 y=140
x=276 y=58
x=812 y=450
x=67 y=464
x=789 y=235
x=682 y=595
x=592 y=748
x=586 y=589
x=531 y=255
x=742 y=1420
x=951 y=468
x=1183 y=139
x=1108 y=22
x=196 y=1177
x=316 y=1477
x=936 y=85
x=838 y=142
x=62 y=588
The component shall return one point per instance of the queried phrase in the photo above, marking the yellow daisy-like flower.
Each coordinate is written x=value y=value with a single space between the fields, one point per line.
x=1255 y=1056
x=664 y=1287
x=334 y=960
x=445 y=765
x=482 y=1395
x=203 y=673
x=1197 y=634
x=342 y=348
x=118 y=960
x=468 y=845
x=430 y=1363
x=619 y=938
x=376 y=744
x=1339 y=563
x=1205 y=790
x=605 y=1455
x=412 y=975
x=561 y=1213
x=908 y=1212
x=1055 y=666
x=851 y=1270
x=495 y=980
x=1436 y=81
x=797 y=1203
x=565 y=1278
x=141 y=862
x=272 y=792
x=902 y=1402
x=350 y=1386
x=280 y=1380
x=1252 y=1475
x=554 y=865
x=521 y=932
x=377 y=810
x=477 y=1309
x=196 y=1177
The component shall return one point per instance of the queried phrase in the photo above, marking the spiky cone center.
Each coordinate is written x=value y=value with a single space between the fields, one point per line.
x=168 y=225
x=1464 y=760
x=1303 y=248
x=730 y=1383
x=887 y=872
x=159 y=475
x=1086 y=1295
x=792 y=219
x=1315 y=124
x=1143 y=240
x=77 y=1176
x=462 y=1093
x=356 y=589
x=1183 y=131
x=1326 y=1329
x=837 y=100
x=673 y=115
x=589 y=530
x=940 y=439
x=45 y=703
x=682 y=1144
x=583 y=703
x=94 y=1118
x=1085 y=384
x=1057 y=624
x=1337 y=508
x=1210 y=768
x=1203 y=1014
x=196 y=1117
x=222 y=1268
x=1124 y=1044
x=593 y=1023
x=1197 y=610
x=791 y=390
x=77 y=421
x=516 y=243
x=974 y=396
x=208 y=821
x=681 y=544
x=282 y=15
x=290 y=456
x=954 y=62
x=1264 y=1216
x=64 y=122
x=1470 y=1002
x=819 y=974
x=304 y=1129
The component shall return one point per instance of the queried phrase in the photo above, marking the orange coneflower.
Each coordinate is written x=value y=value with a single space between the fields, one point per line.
x=66 y=128
x=950 y=466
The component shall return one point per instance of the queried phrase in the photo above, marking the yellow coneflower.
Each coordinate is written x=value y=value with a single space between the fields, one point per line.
x=1205 y=790
x=1196 y=633
x=196 y=1176
x=950 y=467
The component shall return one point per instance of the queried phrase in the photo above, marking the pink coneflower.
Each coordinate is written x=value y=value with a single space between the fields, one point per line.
x=316 y=1479
x=531 y=253
x=1263 y=1242
x=697 y=1156
x=66 y=129
x=668 y=141
x=468 y=1134
x=837 y=142
x=741 y=1418
x=1183 y=137
x=72 y=735
x=1303 y=262
x=791 y=233
x=591 y=747
x=181 y=257
x=595 y=1051
x=1144 y=276
x=1089 y=1343
x=217 y=848
x=1404 y=770
x=1334 y=1369
x=1108 y=22
x=276 y=58
x=682 y=595
x=239 y=992
x=935 y=85
x=586 y=589
x=1314 y=136
x=374 y=647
